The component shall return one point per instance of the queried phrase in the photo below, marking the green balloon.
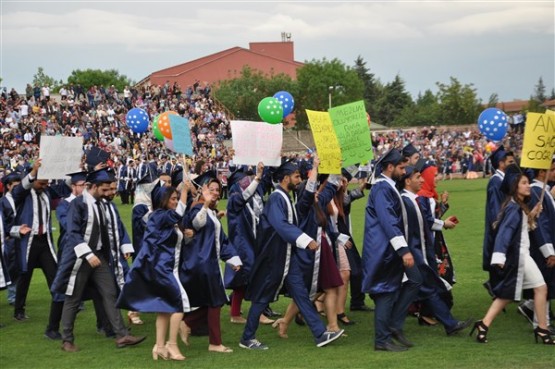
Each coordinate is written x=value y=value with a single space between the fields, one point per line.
x=156 y=130
x=270 y=110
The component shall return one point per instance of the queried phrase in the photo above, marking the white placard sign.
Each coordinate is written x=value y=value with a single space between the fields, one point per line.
x=60 y=155
x=256 y=141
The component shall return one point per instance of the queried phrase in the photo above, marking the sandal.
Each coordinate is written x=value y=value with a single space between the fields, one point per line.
x=482 y=334
x=221 y=349
x=134 y=318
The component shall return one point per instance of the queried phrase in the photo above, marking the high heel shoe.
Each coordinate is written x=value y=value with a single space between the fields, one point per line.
x=173 y=352
x=184 y=333
x=342 y=318
x=134 y=318
x=482 y=334
x=282 y=333
x=544 y=336
x=159 y=352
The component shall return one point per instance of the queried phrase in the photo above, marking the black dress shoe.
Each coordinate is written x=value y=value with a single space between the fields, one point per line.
x=361 y=308
x=400 y=337
x=269 y=313
x=390 y=346
x=299 y=319
x=53 y=335
x=459 y=327
x=20 y=317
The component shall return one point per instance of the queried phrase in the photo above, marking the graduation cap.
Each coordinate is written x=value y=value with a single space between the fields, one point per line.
x=96 y=156
x=409 y=171
x=423 y=164
x=512 y=174
x=151 y=174
x=104 y=175
x=11 y=178
x=206 y=178
x=157 y=194
x=498 y=155
x=77 y=176
x=409 y=150
x=240 y=173
x=393 y=156
x=176 y=176
x=286 y=168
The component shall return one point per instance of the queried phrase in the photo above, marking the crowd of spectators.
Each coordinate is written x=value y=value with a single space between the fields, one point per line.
x=98 y=115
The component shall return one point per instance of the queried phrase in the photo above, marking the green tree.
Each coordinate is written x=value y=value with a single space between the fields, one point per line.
x=97 y=77
x=493 y=100
x=318 y=80
x=424 y=112
x=539 y=91
x=42 y=79
x=393 y=100
x=241 y=95
x=458 y=103
x=551 y=97
x=372 y=87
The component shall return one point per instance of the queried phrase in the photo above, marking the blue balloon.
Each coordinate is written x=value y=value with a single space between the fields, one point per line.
x=287 y=102
x=492 y=123
x=137 y=120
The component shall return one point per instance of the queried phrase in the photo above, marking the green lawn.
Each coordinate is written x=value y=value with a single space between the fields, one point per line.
x=511 y=340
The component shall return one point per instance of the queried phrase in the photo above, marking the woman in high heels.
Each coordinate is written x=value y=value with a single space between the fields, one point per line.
x=152 y=284
x=512 y=268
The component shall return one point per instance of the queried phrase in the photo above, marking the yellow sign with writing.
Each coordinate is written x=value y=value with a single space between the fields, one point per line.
x=326 y=142
x=539 y=140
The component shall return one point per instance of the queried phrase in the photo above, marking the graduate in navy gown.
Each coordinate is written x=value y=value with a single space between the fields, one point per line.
x=77 y=181
x=142 y=207
x=93 y=256
x=512 y=268
x=421 y=245
x=543 y=237
x=4 y=275
x=152 y=284
x=244 y=207
x=386 y=256
x=200 y=269
x=7 y=207
x=35 y=249
x=319 y=269
x=279 y=236
x=500 y=159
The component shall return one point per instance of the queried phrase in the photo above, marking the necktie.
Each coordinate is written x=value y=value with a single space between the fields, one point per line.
x=41 y=223
x=104 y=237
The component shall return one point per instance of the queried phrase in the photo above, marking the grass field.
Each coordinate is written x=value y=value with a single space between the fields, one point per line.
x=511 y=340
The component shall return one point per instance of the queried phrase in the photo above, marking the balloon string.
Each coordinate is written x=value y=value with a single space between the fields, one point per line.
x=299 y=141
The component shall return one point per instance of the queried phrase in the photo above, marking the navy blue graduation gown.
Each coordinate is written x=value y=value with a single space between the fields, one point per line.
x=152 y=284
x=494 y=200
x=200 y=269
x=242 y=221
x=25 y=199
x=384 y=239
x=8 y=210
x=138 y=226
x=542 y=239
x=421 y=245
x=308 y=260
x=507 y=282
x=344 y=226
x=80 y=221
x=440 y=250
x=61 y=215
x=4 y=275
x=278 y=233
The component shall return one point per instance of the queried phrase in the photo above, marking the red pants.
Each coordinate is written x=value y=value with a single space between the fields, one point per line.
x=206 y=316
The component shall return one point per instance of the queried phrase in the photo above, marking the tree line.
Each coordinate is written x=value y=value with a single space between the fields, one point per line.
x=323 y=82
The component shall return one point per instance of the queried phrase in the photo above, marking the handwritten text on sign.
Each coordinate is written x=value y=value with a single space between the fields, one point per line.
x=256 y=141
x=351 y=126
x=326 y=142
x=539 y=141
x=60 y=155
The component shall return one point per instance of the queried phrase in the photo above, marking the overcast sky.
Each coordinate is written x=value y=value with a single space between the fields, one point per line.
x=501 y=47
